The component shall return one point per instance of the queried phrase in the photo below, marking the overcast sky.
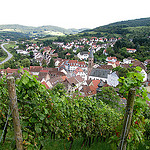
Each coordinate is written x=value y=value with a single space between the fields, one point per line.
x=71 y=13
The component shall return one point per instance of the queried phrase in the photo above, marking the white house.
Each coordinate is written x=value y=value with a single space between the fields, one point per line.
x=71 y=65
x=144 y=74
x=113 y=79
x=129 y=50
x=111 y=59
x=127 y=61
x=22 y=52
x=80 y=72
x=83 y=55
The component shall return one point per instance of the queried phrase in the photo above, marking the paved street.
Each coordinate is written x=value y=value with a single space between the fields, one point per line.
x=9 y=54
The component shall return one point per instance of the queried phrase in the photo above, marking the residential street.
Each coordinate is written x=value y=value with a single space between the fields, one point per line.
x=9 y=54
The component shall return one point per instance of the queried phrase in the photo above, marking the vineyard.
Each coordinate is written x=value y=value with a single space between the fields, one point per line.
x=53 y=115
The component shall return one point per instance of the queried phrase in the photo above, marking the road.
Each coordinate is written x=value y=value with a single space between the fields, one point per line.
x=9 y=54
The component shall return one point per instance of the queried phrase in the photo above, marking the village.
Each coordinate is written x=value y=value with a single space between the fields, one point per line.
x=82 y=74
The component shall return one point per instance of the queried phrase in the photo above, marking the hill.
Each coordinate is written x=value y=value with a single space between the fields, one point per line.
x=123 y=28
x=132 y=23
x=38 y=31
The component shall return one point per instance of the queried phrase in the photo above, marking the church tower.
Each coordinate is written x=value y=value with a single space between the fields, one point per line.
x=90 y=62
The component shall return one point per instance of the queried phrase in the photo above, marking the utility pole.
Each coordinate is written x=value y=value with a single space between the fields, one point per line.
x=15 y=113
x=127 y=119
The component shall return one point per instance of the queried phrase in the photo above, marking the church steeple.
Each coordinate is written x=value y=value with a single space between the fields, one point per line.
x=91 y=53
x=90 y=62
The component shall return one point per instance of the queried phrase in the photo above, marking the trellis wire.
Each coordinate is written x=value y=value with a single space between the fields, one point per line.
x=5 y=124
x=7 y=120
x=124 y=132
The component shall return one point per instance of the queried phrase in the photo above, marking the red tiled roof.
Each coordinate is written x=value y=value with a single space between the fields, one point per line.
x=130 y=49
x=64 y=78
x=68 y=54
x=35 y=68
x=46 y=71
x=12 y=70
x=44 y=83
x=72 y=80
x=88 y=90
x=78 y=70
x=73 y=61
x=105 y=67
x=110 y=58
x=95 y=83
x=79 y=78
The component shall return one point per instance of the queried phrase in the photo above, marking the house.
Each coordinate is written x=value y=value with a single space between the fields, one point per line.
x=127 y=60
x=54 y=81
x=82 y=65
x=90 y=88
x=147 y=61
x=105 y=52
x=53 y=72
x=54 y=55
x=43 y=76
x=58 y=61
x=80 y=72
x=68 y=54
x=129 y=50
x=83 y=55
x=73 y=83
x=105 y=67
x=111 y=59
x=88 y=91
x=113 y=64
x=22 y=52
x=136 y=63
x=35 y=69
x=99 y=74
x=75 y=49
x=113 y=79
x=94 y=83
x=71 y=65
x=144 y=74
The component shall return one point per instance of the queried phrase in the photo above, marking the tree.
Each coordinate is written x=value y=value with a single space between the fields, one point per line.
x=25 y=62
x=148 y=67
x=31 y=54
x=52 y=63
x=44 y=63
x=110 y=51
x=6 y=65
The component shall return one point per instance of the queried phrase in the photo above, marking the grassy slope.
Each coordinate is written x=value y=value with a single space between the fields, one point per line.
x=41 y=30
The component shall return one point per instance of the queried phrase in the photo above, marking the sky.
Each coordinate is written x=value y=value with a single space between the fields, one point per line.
x=71 y=13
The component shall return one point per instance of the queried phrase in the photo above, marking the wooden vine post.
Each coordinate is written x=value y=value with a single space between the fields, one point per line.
x=127 y=119
x=15 y=113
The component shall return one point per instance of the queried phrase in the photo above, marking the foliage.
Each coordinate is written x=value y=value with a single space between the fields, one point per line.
x=109 y=96
x=58 y=89
x=122 y=71
x=52 y=63
x=53 y=113
x=25 y=62
x=134 y=79
x=2 y=53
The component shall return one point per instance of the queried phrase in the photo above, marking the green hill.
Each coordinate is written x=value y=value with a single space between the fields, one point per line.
x=123 y=28
x=38 y=31
x=132 y=23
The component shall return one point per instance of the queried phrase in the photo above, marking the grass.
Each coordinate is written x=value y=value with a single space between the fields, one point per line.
x=10 y=45
x=65 y=145
x=3 y=57
x=60 y=144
